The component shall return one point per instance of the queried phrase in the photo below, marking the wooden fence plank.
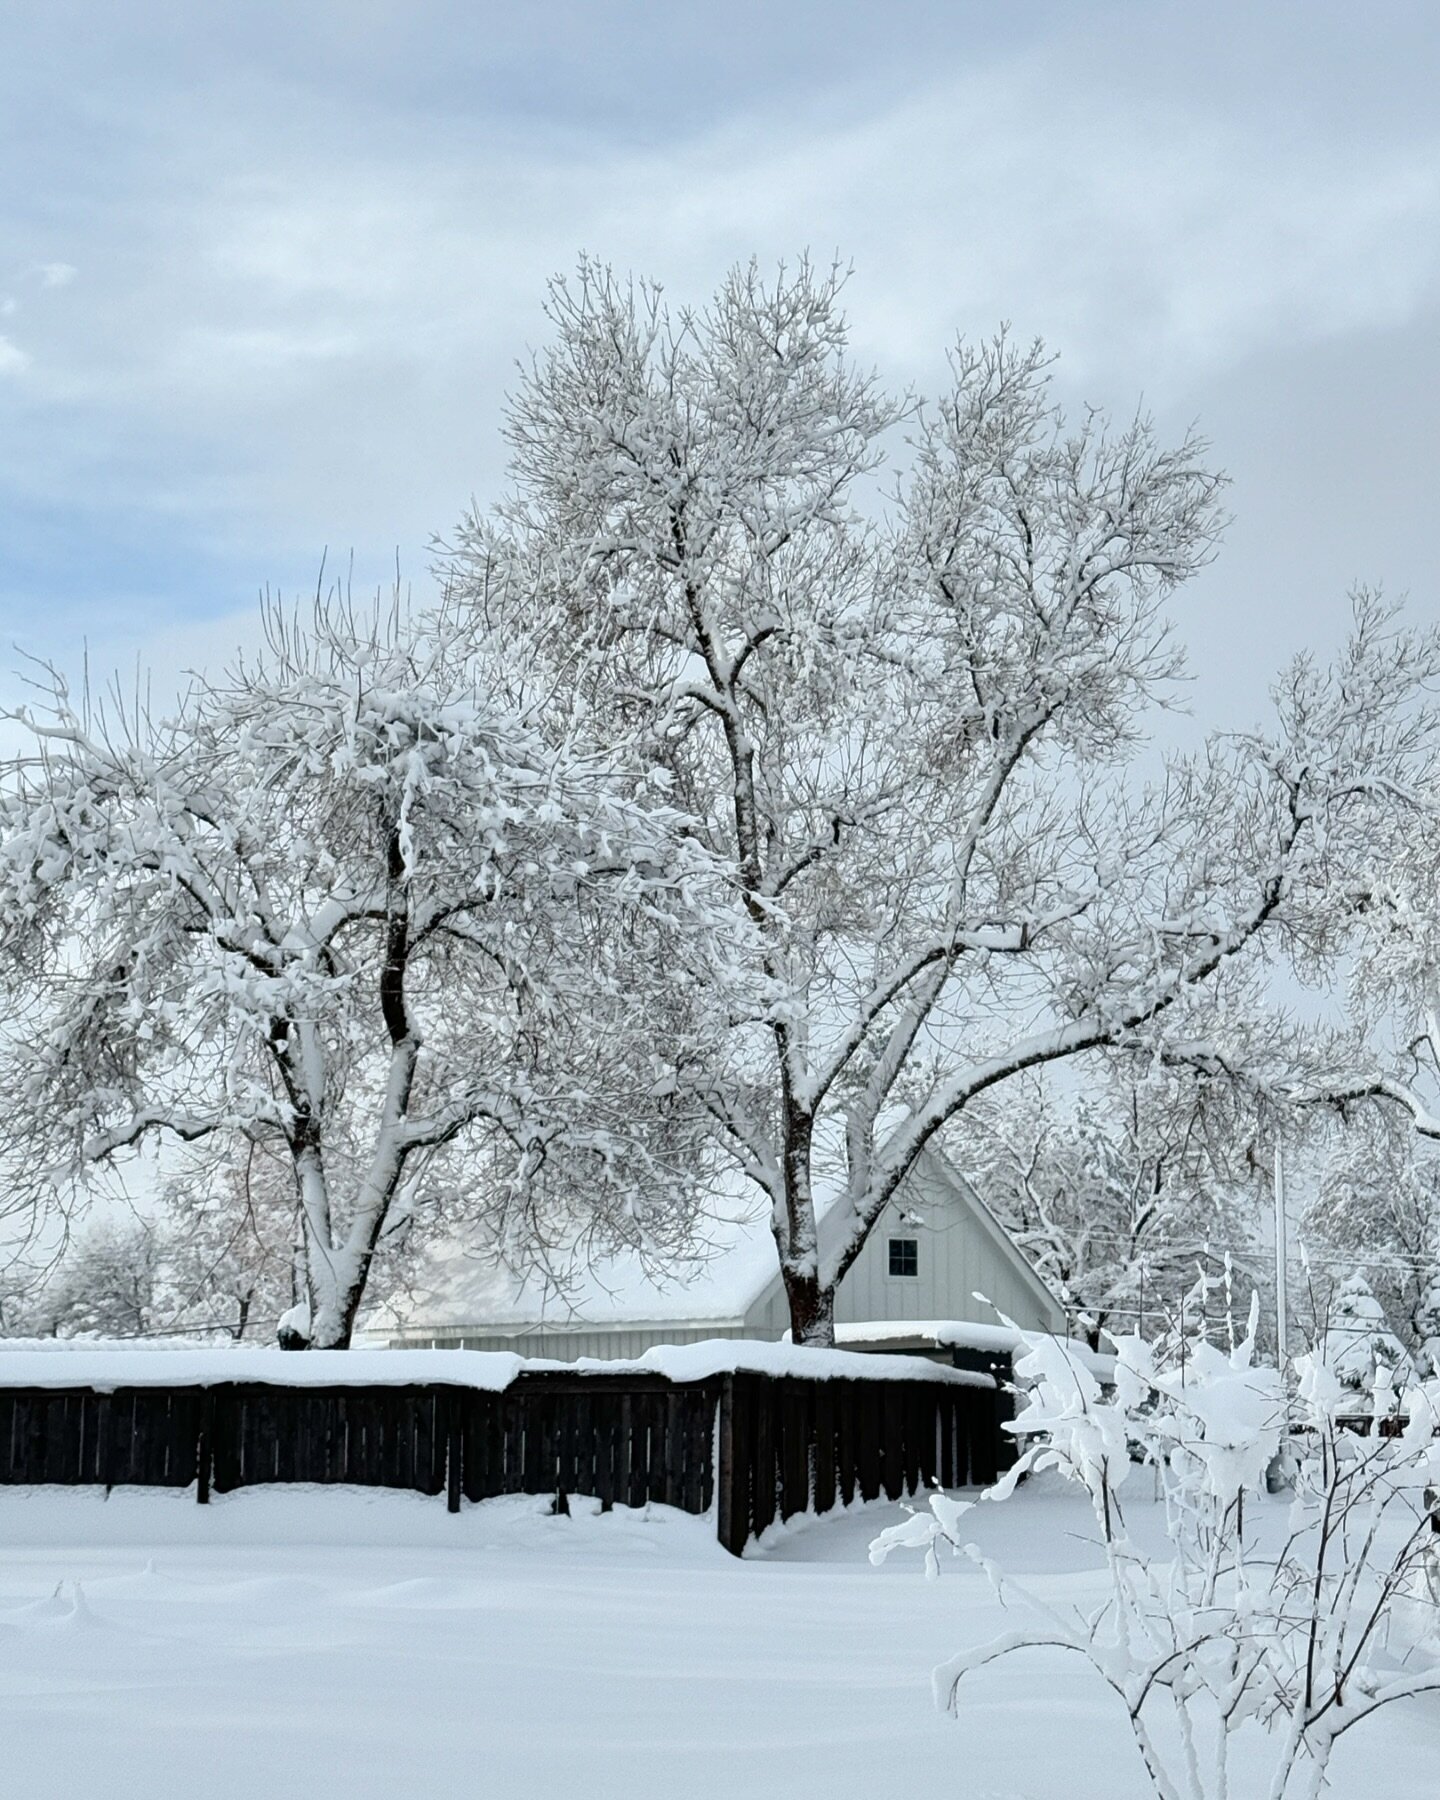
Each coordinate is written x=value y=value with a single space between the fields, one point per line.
x=947 y=1447
x=729 y=1517
x=764 y=1481
x=981 y=1436
x=823 y=1454
x=492 y=1425
x=797 y=1425
x=700 y=1457
x=891 y=1407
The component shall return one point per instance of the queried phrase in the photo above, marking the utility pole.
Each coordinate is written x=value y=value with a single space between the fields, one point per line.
x=1282 y=1296
x=1281 y=1473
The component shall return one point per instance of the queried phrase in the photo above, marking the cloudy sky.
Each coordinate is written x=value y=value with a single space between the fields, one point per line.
x=265 y=269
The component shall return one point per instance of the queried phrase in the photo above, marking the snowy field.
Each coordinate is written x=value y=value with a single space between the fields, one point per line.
x=371 y=1647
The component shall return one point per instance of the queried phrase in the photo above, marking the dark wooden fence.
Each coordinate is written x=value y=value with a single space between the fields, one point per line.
x=765 y=1447
x=790 y=1446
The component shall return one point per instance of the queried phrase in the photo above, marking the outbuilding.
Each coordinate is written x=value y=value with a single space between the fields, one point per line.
x=936 y=1259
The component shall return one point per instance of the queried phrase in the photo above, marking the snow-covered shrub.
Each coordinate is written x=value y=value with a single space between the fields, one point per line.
x=1358 y=1345
x=1307 y=1640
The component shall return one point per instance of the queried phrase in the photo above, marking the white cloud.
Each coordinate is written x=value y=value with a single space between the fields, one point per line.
x=1150 y=240
x=13 y=360
x=56 y=274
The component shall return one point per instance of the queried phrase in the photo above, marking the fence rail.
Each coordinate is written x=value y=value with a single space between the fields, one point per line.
x=756 y=1447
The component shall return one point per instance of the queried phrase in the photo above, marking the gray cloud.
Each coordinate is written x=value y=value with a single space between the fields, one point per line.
x=313 y=241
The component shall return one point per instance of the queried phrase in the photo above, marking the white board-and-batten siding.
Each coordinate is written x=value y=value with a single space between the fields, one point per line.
x=962 y=1252
x=569 y=1343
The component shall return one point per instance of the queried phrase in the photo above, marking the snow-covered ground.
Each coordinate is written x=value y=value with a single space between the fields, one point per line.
x=367 y=1646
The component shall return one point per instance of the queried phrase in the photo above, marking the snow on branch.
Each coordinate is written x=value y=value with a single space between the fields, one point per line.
x=1227 y=1635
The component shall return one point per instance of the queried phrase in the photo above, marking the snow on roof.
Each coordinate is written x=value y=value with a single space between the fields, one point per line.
x=104 y=1367
x=733 y=1262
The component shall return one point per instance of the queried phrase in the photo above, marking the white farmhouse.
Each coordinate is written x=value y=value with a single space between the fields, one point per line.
x=931 y=1257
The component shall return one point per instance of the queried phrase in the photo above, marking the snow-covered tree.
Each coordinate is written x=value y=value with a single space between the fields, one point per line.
x=1357 y=1342
x=365 y=901
x=905 y=732
x=19 y=1285
x=1120 y=1196
x=106 y=1282
x=1382 y=927
x=229 y=1242
x=1376 y=1208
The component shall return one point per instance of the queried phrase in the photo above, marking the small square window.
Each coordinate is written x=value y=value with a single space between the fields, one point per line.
x=905 y=1256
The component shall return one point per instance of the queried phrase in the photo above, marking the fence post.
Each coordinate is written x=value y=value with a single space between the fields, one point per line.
x=202 y=1447
x=454 y=1448
x=730 y=1527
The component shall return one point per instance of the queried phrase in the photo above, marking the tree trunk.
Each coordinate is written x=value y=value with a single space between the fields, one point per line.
x=812 y=1309
x=331 y=1334
x=333 y=1317
x=330 y=1330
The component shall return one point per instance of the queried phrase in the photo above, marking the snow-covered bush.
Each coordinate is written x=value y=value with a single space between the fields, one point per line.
x=1357 y=1345
x=1307 y=1638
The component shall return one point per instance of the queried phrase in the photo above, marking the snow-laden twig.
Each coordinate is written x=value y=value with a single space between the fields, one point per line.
x=1303 y=1644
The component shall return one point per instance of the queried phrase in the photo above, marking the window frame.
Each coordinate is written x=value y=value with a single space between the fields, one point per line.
x=903 y=1245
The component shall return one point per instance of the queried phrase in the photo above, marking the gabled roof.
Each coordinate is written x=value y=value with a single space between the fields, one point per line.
x=963 y=1190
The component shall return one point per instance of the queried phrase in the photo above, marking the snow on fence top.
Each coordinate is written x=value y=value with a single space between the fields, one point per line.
x=726 y=1356
x=961 y=1334
x=104 y=1366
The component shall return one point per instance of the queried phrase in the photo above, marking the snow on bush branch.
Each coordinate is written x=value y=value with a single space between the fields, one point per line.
x=1305 y=1627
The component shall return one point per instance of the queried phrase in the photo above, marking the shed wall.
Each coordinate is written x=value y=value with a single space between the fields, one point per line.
x=958 y=1259
x=608 y=1343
